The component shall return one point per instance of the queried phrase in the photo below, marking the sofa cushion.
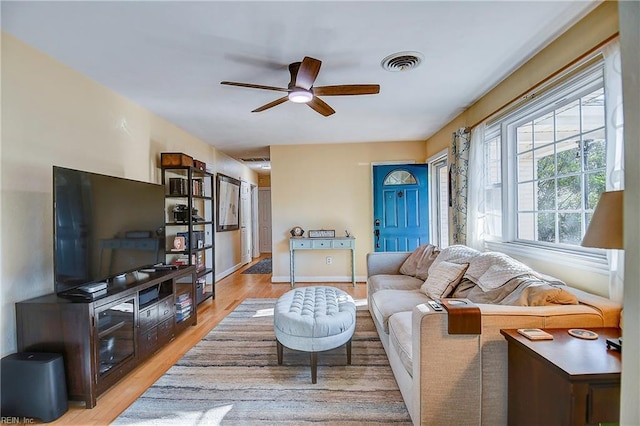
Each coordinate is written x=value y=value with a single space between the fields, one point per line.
x=385 y=303
x=400 y=338
x=418 y=263
x=443 y=279
x=393 y=282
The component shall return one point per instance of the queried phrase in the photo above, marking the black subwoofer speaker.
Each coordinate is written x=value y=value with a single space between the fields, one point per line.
x=33 y=385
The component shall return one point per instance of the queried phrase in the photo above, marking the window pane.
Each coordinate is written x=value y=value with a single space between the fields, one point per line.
x=399 y=177
x=494 y=162
x=493 y=203
x=526 y=226
x=596 y=183
x=525 y=166
x=547 y=227
x=568 y=158
x=525 y=197
x=568 y=120
x=570 y=228
x=543 y=130
x=545 y=162
x=569 y=193
x=524 y=134
x=594 y=150
x=593 y=111
x=546 y=194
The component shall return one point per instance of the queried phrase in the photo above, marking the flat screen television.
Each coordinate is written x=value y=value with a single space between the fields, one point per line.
x=104 y=227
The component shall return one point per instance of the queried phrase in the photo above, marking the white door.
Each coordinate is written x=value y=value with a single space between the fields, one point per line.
x=264 y=219
x=245 y=222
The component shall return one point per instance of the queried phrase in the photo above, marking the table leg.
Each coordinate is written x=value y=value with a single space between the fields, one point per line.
x=292 y=268
x=314 y=367
x=279 y=349
x=353 y=267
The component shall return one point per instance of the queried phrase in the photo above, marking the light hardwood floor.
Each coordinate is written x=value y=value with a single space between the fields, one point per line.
x=230 y=291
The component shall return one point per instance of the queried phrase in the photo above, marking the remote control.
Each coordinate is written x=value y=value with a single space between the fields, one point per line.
x=435 y=305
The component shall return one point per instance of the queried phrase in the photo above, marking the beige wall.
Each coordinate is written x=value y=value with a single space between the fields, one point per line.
x=592 y=30
x=52 y=115
x=330 y=187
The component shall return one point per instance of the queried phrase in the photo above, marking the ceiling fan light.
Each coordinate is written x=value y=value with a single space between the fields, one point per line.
x=300 y=96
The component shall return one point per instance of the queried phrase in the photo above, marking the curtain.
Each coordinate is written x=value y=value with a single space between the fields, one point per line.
x=476 y=190
x=615 y=152
x=458 y=179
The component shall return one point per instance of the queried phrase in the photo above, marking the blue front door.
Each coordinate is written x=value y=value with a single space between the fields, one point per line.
x=400 y=207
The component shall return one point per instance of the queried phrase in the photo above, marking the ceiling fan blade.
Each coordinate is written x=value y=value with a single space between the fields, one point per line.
x=347 y=89
x=307 y=73
x=320 y=106
x=271 y=104
x=254 y=86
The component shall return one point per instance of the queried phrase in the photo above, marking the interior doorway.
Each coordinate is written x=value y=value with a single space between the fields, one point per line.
x=264 y=219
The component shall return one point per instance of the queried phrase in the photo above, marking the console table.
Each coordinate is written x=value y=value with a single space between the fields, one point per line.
x=343 y=243
x=564 y=381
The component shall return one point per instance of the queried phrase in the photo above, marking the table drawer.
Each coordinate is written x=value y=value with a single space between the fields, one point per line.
x=300 y=244
x=165 y=308
x=342 y=244
x=148 y=317
x=321 y=244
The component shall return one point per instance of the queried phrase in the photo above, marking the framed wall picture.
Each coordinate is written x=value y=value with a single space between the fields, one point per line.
x=228 y=201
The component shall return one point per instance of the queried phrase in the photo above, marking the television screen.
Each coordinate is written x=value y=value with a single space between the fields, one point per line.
x=104 y=227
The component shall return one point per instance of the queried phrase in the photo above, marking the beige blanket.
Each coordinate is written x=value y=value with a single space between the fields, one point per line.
x=491 y=270
x=526 y=290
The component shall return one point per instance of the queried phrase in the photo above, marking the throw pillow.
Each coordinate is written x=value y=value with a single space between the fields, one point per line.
x=443 y=279
x=418 y=263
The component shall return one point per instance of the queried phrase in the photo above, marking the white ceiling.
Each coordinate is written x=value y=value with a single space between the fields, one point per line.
x=170 y=58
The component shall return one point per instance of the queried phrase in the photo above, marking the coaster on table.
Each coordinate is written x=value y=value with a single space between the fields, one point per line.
x=583 y=334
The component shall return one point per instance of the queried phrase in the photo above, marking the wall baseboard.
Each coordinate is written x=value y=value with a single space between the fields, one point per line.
x=229 y=271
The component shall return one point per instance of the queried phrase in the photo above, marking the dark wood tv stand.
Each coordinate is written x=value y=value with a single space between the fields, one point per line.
x=102 y=340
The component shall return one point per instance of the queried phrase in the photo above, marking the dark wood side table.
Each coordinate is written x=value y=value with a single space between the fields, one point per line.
x=564 y=381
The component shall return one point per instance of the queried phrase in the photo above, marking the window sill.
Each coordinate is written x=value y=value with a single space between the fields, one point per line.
x=588 y=262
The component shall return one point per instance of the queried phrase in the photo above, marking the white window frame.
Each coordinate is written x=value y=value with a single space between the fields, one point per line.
x=590 y=259
x=435 y=202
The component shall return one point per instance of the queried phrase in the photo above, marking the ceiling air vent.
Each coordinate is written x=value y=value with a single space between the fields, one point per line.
x=402 y=61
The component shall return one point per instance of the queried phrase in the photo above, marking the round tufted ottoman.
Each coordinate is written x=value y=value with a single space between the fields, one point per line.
x=314 y=319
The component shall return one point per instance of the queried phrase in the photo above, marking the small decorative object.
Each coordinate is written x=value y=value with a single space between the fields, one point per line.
x=535 y=334
x=322 y=233
x=168 y=159
x=297 y=232
x=583 y=334
x=179 y=244
x=347 y=233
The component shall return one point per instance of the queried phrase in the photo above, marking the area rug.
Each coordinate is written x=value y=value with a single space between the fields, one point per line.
x=262 y=267
x=232 y=377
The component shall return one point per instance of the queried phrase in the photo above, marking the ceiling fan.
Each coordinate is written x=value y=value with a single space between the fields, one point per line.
x=301 y=89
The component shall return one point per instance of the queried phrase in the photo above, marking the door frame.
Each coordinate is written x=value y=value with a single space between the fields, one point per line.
x=434 y=234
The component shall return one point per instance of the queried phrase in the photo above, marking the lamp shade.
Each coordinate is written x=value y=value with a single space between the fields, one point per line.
x=605 y=228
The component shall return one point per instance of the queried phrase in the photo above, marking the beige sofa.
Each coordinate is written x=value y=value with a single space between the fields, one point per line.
x=458 y=379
